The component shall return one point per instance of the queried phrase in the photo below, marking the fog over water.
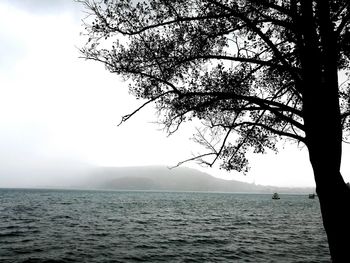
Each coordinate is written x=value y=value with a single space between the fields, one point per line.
x=59 y=113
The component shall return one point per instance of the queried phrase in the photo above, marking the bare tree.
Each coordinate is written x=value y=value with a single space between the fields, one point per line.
x=253 y=71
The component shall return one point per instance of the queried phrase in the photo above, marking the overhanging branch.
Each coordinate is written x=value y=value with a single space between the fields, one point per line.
x=128 y=116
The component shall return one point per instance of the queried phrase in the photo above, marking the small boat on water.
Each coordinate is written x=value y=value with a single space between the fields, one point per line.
x=312 y=196
x=275 y=196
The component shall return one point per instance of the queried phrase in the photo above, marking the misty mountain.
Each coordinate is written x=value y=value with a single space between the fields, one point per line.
x=159 y=178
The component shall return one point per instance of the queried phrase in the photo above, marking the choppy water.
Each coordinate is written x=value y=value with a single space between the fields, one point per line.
x=96 y=226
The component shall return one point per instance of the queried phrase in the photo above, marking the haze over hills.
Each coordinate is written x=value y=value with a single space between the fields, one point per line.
x=160 y=178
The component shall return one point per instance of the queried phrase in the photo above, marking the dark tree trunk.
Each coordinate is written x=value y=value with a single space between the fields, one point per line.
x=324 y=142
x=334 y=198
x=324 y=145
x=318 y=53
x=335 y=204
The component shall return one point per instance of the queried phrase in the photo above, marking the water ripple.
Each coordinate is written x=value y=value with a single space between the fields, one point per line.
x=92 y=226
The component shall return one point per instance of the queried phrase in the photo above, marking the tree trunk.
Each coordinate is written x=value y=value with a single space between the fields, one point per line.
x=334 y=198
x=324 y=142
x=335 y=204
x=323 y=129
x=323 y=134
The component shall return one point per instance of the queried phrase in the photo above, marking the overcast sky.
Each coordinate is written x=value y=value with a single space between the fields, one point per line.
x=58 y=111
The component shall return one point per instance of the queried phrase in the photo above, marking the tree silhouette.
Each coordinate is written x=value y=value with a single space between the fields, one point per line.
x=253 y=71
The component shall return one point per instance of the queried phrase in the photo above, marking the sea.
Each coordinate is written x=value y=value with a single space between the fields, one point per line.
x=38 y=225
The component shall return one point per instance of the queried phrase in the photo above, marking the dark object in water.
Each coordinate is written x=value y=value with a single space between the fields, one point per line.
x=312 y=196
x=275 y=196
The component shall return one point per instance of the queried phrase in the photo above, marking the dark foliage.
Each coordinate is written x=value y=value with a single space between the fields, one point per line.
x=235 y=65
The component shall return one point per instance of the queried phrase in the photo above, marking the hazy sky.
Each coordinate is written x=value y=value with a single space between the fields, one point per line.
x=58 y=111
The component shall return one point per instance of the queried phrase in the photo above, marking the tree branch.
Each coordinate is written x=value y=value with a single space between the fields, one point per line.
x=238 y=59
x=345 y=20
x=231 y=95
x=268 y=128
x=193 y=159
x=263 y=36
x=174 y=21
x=128 y=116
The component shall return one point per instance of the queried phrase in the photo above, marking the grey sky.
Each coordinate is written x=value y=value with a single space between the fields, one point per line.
x=56 y=108
x=45 y=7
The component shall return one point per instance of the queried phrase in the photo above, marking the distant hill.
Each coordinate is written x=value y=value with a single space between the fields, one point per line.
x=161 y=178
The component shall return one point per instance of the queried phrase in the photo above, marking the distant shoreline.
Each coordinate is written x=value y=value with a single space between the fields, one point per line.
x=143 y=191
x=157 y=178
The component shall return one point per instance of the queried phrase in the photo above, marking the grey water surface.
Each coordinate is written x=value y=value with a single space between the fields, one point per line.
x=111 y=226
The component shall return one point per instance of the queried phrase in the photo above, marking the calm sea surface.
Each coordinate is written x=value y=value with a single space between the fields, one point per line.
x=101 y=226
